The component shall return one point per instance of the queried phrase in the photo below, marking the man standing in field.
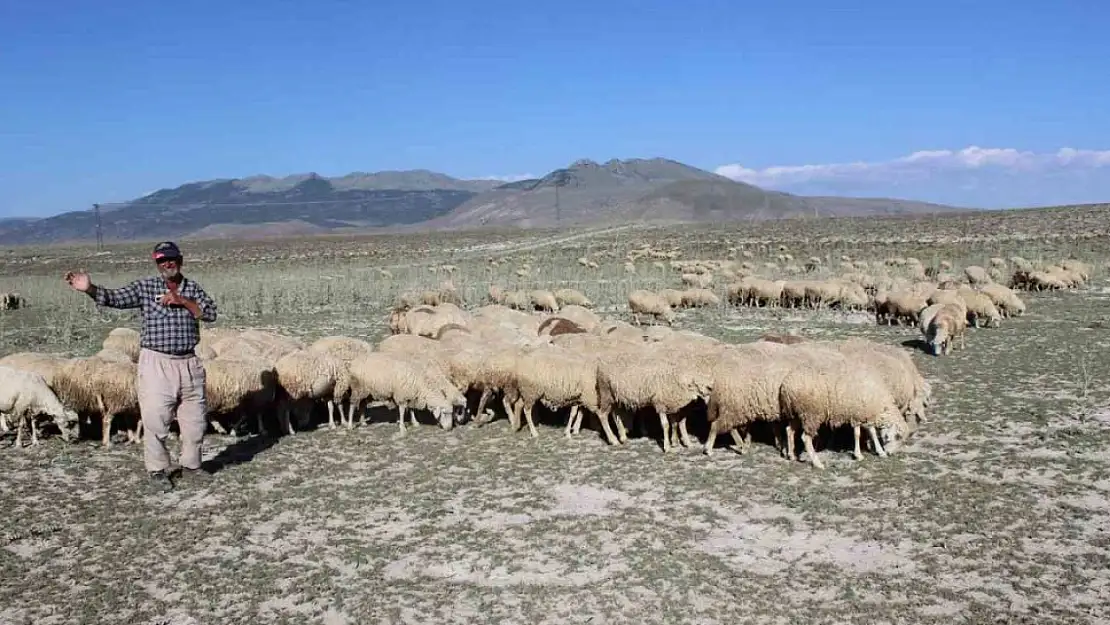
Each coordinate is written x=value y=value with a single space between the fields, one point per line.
x=170 y=376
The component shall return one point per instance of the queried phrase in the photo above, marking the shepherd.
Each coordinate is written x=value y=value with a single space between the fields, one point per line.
x=171 y=377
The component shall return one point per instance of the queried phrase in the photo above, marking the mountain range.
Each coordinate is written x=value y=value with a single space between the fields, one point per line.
x=654 y=190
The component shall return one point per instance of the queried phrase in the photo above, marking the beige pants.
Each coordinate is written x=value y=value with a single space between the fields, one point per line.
x=170 y=386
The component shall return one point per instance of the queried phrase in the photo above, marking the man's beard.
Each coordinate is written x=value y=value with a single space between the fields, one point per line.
x=170 y=274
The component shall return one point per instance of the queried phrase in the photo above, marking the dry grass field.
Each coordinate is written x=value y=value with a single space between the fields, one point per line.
x=995 y=512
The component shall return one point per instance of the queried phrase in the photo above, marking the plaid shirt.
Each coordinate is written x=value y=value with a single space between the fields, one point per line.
x=166 y=329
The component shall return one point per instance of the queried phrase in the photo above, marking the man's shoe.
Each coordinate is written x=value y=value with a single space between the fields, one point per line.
x=161 y=481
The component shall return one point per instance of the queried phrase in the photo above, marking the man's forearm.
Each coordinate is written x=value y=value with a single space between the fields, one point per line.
x=193 y=308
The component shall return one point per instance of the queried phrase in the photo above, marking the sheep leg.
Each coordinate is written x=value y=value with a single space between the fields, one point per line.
x=331 y=414
x=711 y=437
x=684 y=434
x=740 y=443
x=528 y=417
x=622 y=430
x=575 y=415
x=401 y=418
x=665 y=423
x=19 y=427
x=873 y=432
x=513 y=410
x=807 y=440
x=4 y=427
x=856 y=453
x=219 y=427
x=479 y=416
x=603 y=417
x=34 y=431
x=790 y=455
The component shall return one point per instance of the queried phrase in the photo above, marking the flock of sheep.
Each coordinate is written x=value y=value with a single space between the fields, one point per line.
x=531 y=348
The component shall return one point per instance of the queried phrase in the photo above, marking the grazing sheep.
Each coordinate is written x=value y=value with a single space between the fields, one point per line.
x=567 y=297
x=981 y=311
x=558 y=378
x=96 y=386
x=831 y=391
x=25 y=395
x=644 y=302
x=544 y=300
x=697 y=298
x=634 y=377
x=394 y=379
x=976 y=275
x=673 y=297
x=306 y=376
x=948 y=324
x=746 y=390
x=1004 y=298
x=901 y=308
x=239 y=385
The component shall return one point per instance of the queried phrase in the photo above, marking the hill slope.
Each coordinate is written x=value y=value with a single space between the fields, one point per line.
x=261 y=205
x=651 y=190
x=655 y=190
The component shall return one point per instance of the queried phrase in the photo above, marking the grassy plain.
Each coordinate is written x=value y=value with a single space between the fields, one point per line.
x=995 y=513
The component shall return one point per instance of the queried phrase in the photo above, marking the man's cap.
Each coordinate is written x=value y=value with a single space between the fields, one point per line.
x=166 y=249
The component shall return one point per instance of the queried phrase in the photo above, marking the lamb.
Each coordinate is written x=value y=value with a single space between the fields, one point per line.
x=306 y=376
x=97 y=386
x=644 y=302
x=948 y=325
x=24 y=395
x=831 y=391
x=124 y=340
x=393 y=378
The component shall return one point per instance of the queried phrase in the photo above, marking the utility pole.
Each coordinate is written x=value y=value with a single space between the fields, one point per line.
x=99 y=232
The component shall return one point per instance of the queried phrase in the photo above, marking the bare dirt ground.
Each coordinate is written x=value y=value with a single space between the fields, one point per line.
x=996 y=512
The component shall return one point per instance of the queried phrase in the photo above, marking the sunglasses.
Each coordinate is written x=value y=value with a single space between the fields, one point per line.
x=168 y=259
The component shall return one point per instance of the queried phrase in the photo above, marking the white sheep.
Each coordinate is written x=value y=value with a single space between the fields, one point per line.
x=397 y=380
x=644 y=302
x=123 y=340
x=105 y=387
x=25 y=395
x=831 y=391
x=306 y=376
x=558 y=378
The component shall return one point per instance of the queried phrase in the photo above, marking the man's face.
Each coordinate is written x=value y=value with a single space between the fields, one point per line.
x=169 y=268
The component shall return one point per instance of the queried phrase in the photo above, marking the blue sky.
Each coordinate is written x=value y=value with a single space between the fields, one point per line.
x=986 y=103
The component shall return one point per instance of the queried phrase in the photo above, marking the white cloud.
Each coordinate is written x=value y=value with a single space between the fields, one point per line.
x=972 y=176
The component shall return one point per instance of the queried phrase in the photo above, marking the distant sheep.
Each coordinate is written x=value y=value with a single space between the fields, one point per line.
x=948 y=325
x=12 y=301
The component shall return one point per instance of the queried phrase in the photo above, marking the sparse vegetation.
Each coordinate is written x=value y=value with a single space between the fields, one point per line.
x=993 y=511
